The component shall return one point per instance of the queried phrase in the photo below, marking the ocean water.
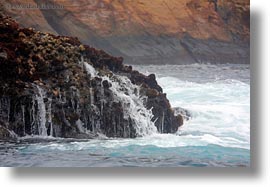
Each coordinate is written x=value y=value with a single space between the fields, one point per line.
x=217 y=135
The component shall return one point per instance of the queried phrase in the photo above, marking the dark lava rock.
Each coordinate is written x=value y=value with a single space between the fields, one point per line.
x=6 y=134
x=183 y=112
x=46 y=89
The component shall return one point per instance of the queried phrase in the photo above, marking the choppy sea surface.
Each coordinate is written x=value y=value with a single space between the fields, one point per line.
x=218 y=134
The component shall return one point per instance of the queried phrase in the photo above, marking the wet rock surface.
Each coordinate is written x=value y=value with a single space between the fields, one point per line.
x=55 y=86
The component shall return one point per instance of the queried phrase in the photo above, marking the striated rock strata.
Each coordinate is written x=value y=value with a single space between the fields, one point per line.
x=55 y=86
x=145 y=31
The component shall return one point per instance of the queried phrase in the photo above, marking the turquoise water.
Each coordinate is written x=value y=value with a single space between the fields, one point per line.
x=85 y=154
x=218 y=134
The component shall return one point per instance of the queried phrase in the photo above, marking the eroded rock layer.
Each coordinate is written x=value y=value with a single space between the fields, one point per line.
x=146 y=31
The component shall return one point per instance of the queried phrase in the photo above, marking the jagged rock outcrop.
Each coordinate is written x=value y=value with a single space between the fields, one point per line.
x=144 y=31
x=55 y=86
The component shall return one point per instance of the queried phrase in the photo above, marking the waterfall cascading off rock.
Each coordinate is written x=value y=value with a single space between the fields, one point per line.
x=38 y=118
x=41 y=114
x=132 y=103
x=42 y=130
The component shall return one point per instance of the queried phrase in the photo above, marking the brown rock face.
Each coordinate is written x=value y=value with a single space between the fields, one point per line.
x=143 y=31
x=107 y=18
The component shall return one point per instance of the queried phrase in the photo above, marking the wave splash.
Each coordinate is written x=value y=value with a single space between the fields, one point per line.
x=133 y=105
x=220 y=110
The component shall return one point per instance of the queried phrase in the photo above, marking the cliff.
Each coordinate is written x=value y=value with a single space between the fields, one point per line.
x=144 y=31
x=55 y=86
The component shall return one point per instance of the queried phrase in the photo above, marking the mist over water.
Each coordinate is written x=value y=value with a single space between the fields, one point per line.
x=218 y=133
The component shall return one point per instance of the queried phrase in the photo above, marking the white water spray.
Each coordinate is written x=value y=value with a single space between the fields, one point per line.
x=133 y=104
x=42 y=130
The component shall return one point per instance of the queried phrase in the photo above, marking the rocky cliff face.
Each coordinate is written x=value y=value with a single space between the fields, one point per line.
x=55 y=86
x=145 y=31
